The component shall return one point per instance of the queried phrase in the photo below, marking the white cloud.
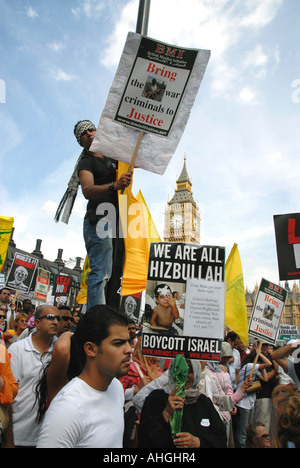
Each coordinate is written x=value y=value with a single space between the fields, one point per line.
x=89 y=8
x=56 y=46
x=60 y=75
x=31 y=13
x=247 y=95
x=261 y=12
x=256 y=58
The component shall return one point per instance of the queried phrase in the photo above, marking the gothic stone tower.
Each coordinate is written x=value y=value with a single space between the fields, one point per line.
x=182 y=215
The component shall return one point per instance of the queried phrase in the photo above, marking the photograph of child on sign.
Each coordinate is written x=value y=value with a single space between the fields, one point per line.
x=164 y=314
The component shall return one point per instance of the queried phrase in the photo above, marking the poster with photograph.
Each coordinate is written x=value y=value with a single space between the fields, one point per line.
x=174 y=322
x=155 y=86
x=61 y=289
x=42 y=285
x=22 y=273
x=131 y=307
x=267 y=311
x=153 y=92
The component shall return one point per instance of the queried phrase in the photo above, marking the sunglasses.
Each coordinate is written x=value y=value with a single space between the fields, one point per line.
x=2 y=317
x=264 y=436
x=52 y=317
x=66 y=318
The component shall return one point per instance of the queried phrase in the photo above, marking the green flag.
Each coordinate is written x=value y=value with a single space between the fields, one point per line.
x=179 y=374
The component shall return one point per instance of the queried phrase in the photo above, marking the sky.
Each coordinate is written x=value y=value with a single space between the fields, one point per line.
x=57 y=63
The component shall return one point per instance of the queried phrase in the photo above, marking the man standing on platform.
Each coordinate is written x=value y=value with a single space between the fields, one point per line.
x=97 y=175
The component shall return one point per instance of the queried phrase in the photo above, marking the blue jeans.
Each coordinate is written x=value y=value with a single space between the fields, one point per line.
x=100 y=254
x=245 y=417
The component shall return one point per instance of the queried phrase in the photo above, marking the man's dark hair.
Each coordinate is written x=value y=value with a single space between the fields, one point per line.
x=4 y=289
x=93 y=326
x=64 y=307
x=231 y=335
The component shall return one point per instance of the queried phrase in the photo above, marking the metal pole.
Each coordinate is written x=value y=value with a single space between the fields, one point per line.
x=143 y=17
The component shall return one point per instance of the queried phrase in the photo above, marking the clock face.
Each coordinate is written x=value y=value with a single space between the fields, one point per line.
x=176 y=221
x=195 y=224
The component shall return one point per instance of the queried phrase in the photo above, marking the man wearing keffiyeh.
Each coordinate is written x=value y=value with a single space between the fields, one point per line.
x=97 y=176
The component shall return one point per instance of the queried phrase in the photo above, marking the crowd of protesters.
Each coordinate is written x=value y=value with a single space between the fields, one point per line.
x=80 y=380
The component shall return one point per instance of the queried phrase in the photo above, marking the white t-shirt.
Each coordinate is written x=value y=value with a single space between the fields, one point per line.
x=82 y=417
x=234 y=366
x=248 y=401
x=27 y=365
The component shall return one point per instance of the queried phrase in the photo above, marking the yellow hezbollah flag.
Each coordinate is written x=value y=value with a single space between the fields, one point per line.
x=82 y=295
x=6 y=225
x=236 y=309
x=138 y=231
x=152 y=232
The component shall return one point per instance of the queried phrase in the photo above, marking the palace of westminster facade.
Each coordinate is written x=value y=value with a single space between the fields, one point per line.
x=182 y=224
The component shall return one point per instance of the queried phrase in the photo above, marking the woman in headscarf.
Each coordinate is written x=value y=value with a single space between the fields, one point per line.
x=222 y=393
x=142 y=370
x=201 y=425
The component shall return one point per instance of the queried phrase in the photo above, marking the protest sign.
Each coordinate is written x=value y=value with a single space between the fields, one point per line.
x=42 y=285
x=2 y=280
x=184 y=281
x=287 y=332
x=149 y=102
x=287 y=232
x=267 y=311
x=61 y=289
x=131 y=306
x=22 y=273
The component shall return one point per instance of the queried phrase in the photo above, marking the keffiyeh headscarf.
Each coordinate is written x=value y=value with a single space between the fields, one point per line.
x=81 y=127
x=70 y=194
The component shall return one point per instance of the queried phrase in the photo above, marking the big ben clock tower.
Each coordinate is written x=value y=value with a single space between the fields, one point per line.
x=182 y=216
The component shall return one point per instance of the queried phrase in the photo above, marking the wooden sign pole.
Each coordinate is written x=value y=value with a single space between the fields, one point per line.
x=133 y=158
x=256 y=359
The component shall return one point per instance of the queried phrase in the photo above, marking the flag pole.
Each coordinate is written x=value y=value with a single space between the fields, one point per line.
x=141 y=28
x=143 y=17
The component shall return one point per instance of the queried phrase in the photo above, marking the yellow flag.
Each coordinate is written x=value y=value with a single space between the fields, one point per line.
x=236 y=309
x=82 y=295
x=139 y=231
x=6 y=225
x=152 y=233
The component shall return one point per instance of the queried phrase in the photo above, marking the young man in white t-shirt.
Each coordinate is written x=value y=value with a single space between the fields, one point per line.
x=234 y=365
x=88 y=411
